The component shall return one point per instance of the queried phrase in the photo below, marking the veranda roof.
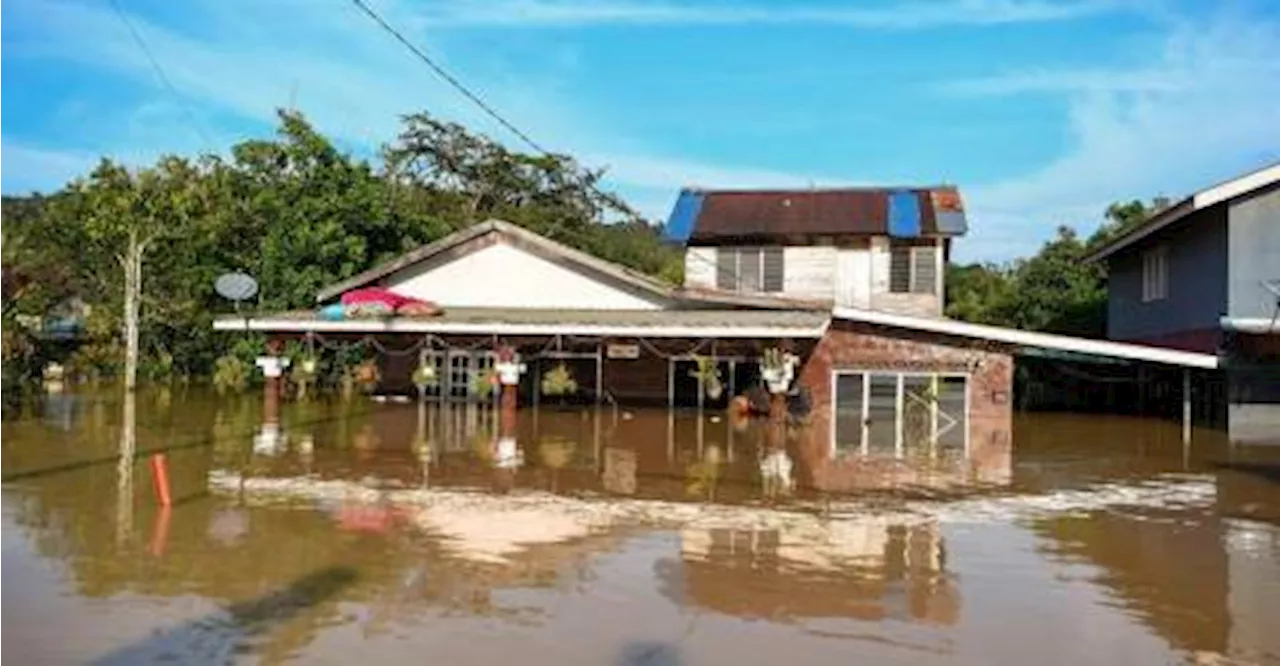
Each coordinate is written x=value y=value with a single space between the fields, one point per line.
x=799 y=323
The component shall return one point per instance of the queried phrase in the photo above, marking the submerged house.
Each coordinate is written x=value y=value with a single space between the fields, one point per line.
x=871 y=248
x=856 y=296
x=1204 y=275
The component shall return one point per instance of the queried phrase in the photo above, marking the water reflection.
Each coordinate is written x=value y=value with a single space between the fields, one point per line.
x=124 y=469
x=609 y=529
x=867 y=569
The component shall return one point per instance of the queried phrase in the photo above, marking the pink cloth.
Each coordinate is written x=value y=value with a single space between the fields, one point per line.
x=377 y=295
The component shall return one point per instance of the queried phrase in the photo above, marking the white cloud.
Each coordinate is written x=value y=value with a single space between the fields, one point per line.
x=1140 y=141
x=913 y=14
x=28 y=168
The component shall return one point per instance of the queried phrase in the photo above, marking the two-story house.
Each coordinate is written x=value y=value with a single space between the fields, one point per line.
x=1204 y=275
x=870 y=248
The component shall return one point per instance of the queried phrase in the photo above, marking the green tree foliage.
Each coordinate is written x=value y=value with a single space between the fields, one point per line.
x=1054 y=290
x=295 y=212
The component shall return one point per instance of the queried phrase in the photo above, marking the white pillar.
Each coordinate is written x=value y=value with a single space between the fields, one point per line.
x=1186 y=405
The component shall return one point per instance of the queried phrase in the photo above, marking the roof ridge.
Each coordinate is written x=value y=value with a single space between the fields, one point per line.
x=805 y=190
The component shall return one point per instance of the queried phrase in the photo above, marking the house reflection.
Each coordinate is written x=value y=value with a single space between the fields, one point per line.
x=982 y=460
x=870 y=569
x=693 y=456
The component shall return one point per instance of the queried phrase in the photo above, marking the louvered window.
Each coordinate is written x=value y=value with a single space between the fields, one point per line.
x=750 y=269
x=913 y=269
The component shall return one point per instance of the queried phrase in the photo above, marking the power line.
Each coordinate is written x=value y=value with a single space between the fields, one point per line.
x=164 y=78
x=449 y=78
x=484 y=106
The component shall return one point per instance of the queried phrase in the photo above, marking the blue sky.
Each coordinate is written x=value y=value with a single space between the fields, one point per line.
x=1042 y=111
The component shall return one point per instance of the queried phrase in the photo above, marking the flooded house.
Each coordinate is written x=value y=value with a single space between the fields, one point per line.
x=847 y=285
x=1203 y=275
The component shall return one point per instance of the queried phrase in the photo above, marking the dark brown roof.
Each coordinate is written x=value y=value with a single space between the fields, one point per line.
x=862 y=211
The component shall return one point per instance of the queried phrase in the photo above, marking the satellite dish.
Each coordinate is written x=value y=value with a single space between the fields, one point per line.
x=236 y=287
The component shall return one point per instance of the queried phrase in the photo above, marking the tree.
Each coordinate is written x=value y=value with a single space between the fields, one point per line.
x=125 y=215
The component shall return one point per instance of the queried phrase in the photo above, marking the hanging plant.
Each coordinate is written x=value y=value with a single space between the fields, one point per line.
x=708 y=375
x=483 y=383
x=307 y=367
x=304 y=373
x=773 y=360
x=776 y=368
x=425 y=376
x=559 y=381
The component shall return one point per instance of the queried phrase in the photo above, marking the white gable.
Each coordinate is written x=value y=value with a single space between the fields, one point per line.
x=503 y=276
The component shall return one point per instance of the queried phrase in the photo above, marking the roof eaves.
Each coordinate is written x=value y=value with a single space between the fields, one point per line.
x=1151 y=225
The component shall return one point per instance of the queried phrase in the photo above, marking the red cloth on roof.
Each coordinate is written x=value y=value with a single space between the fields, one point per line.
x=377 y=295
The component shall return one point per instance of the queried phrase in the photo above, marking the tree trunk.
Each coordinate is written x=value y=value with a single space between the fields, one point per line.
x=132 y=300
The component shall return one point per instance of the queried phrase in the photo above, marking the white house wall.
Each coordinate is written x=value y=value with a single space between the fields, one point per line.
x=1253 y=238
x=853 y=277
x=856 y=277
x=808 y=272
x=503 y=276
x=700 y=267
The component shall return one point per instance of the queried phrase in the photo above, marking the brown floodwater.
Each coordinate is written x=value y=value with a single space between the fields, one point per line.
x=399 y=533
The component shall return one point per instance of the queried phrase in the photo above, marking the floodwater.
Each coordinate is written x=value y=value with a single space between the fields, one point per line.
x=389 y=533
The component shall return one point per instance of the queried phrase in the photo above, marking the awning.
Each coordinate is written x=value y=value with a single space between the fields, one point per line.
x=586 y=323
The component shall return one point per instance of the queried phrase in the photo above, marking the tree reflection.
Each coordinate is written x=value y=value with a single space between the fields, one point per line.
x=124 y=468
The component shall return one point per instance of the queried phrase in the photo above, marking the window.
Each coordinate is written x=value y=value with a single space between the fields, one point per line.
x=900 y=414
x=749 y=269
x=1155 y=274
x=913 y=269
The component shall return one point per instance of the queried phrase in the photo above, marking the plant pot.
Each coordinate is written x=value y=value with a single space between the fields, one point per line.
x=509 y=373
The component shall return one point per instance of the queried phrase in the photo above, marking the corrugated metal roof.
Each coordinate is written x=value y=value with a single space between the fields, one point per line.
x=683 y=215
x=865 y=211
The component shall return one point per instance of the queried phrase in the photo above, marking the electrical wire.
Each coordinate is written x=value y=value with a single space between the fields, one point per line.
x=160 y=73
x=489 y=110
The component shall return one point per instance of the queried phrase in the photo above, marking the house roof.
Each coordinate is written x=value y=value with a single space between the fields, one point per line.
x=723 y=323
x=559 y=252
x=511 y=232
x=1031 y=339
x=1237 y=187
x=711 y=215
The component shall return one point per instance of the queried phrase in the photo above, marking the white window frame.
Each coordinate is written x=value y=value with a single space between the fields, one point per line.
x=913 y=286
x=898 y=405
x=1155 y=274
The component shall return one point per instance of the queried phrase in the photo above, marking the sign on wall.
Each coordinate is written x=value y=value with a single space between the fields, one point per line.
x=623 y=351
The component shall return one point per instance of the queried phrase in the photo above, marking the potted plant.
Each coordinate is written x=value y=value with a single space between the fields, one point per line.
x=778 y=369
x=559 y=381
x=708 y=375
x=304 y=374
x=483 y=383
x=425 y=377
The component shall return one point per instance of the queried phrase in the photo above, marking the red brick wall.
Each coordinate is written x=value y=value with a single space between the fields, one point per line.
x=849 y=345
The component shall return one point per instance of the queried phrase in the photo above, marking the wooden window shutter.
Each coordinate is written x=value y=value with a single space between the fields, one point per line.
x=774 y=269
x=726 y=268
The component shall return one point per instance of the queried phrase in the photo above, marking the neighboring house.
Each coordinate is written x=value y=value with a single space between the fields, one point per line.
x=869 y=248
x=1214 y=255
x=1204 y=275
